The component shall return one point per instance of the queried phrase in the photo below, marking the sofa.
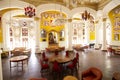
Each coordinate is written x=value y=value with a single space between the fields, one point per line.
x=92 y=73
x=20 y=51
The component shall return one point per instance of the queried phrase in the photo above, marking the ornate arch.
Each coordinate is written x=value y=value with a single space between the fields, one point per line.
x=110 y=6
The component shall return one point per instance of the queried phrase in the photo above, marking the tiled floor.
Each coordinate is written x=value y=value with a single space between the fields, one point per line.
x=107 y=63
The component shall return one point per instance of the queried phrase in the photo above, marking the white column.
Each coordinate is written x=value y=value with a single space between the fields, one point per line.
x=37 y=32
x=5 y=28
x=69 y=36
x=86 y=33
x=104 y=34
x=96 y=32
x=1 y=76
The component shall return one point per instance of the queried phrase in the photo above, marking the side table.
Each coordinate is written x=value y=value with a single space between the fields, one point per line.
x=18 y=59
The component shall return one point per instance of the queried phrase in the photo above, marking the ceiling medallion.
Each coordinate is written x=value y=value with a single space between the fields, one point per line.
x=29 y=11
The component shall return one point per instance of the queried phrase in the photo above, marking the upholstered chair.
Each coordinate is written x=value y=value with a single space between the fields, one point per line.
x=67 y=54
x=56 y=53
x=77 y=57
x=56 y=70
x=72 y=66
x=92 y=73
x=44 y=66
x=44 y=56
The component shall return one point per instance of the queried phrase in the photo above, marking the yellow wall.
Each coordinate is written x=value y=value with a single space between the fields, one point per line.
x=45 y=22
x=114 y=16
x=92 y=35
x=92 y=31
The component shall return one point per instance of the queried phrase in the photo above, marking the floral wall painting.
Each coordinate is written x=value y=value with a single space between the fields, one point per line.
x=75 y=31
x=114 y=16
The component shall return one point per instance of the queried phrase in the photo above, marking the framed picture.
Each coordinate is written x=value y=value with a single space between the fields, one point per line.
x=116 y=37
x=62 y=33
x=43 y=33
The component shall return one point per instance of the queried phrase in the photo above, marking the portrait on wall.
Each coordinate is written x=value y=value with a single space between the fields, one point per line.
x=116 y=37
x=43 y=33
x=52 y=38
x=75 y=31
x=62 y=33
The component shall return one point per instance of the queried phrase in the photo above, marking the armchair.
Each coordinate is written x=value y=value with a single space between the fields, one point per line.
x=92 y=74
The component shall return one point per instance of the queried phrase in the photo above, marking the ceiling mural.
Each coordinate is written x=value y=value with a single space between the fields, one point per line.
x=95 y=4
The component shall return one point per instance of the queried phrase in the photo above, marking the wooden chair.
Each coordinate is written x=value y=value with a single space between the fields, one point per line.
x=44 y=66
x=44 y=56
x=72 y=66
x=77 y=57
x=56 y=69
x=67 y=54
x=56 y=53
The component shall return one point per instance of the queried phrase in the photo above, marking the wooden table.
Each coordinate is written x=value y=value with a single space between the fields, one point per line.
x=55 y=48
x=18 y=59
x=60 y=59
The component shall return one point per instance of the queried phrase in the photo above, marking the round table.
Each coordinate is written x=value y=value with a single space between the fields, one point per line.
x=60 y=59
x=18 y=59
x=70 y=78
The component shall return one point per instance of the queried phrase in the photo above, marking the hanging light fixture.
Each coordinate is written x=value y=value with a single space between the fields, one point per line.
x=85 y=15
x=29 y=11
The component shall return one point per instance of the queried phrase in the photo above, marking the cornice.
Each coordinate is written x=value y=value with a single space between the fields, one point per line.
x=102 y=4
x=95 y=6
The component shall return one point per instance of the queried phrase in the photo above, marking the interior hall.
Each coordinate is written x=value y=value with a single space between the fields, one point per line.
x=59 y=39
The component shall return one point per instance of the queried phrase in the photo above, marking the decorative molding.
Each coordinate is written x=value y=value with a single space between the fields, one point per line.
x=102 y=4
x=104 y=19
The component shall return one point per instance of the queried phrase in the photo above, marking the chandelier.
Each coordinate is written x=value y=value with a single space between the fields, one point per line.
x=85 y=15
x=29 y=11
